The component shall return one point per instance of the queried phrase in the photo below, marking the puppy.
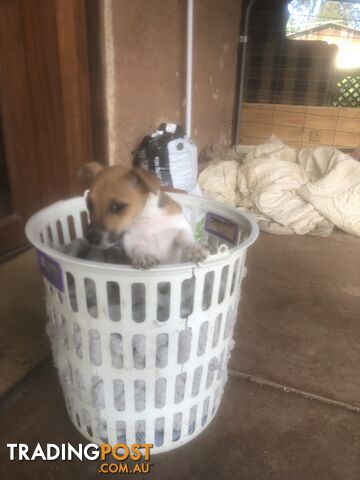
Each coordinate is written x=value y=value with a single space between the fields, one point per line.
x=126 y=206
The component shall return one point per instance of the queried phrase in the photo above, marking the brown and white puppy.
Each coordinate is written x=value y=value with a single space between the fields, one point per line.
x=127 y=206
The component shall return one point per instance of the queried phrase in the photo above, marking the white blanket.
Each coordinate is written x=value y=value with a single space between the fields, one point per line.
x=306 y=192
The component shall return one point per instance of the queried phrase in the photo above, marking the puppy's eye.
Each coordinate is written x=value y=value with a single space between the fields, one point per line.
x=116 y=207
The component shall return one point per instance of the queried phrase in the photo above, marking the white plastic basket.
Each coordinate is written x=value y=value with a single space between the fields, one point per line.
x=146 y=361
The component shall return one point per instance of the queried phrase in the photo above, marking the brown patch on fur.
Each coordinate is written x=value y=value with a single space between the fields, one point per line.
x=88 y=172
x=150 y=182
x=119 y=185
x=126 y=188
x=169 y=205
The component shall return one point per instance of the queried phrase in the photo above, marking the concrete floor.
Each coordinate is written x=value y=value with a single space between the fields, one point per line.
x=23 y=343
x=291 y=407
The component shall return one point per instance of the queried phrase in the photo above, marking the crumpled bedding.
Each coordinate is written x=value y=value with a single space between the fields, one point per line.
x=306 y=192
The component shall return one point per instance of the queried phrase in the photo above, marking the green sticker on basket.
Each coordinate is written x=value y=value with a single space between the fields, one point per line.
x=199 y=228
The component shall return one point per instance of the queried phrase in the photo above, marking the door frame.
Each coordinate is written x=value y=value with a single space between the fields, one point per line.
x=44 y=105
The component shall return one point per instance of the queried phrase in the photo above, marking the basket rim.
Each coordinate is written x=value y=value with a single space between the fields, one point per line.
x=32 y=226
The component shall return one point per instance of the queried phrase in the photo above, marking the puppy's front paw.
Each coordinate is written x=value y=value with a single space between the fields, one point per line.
x=197 y=253
x=145 y=261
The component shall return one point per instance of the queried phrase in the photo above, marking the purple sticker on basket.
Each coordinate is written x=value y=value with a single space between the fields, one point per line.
x=222 y=227
x=51 y=270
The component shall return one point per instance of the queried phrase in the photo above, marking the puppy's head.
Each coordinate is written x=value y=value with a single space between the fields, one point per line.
x=117 y=197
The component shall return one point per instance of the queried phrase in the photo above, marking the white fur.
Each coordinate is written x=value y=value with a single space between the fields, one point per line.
x=157 y=235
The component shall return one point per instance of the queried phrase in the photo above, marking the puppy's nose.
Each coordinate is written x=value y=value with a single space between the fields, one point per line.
x=94 y=237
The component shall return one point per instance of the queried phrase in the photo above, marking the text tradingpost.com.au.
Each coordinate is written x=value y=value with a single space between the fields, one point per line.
x=138 y=453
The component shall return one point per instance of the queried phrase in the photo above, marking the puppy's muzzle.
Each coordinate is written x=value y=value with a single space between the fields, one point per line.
x=100 y=238
x=95 y=237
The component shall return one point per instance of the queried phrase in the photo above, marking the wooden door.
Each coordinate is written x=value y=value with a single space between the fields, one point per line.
x=44 y=106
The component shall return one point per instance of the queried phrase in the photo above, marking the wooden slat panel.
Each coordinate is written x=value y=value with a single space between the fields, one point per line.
x=286 y=134
x=301 y=126
x=348 y=125
x=257 y=129
x=316 y=137
x=263 y=113
x=288 y=118
x=322 y=118
x=323 y=111
x=347 y=139
x=292 y=109
x=322 y=122
x=349 y=113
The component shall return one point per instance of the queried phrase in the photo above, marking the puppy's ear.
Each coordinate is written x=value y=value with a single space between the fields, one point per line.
x=146 y=180
x=87 y=173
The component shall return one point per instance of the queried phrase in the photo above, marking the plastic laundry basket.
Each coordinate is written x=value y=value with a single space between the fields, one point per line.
x=142 y=355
